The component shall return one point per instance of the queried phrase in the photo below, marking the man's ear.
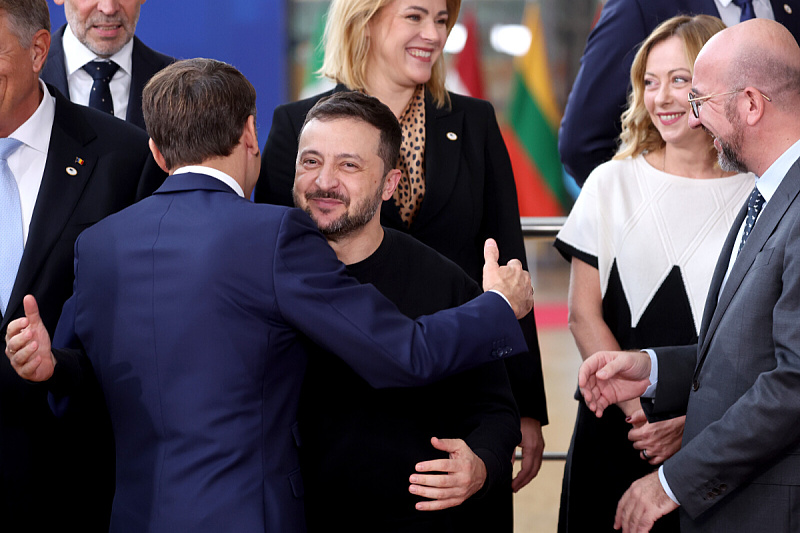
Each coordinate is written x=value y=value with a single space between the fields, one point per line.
x=158 y=156
x=390 y=184
x=40 y=45
x=249 y=136
x=755 y=104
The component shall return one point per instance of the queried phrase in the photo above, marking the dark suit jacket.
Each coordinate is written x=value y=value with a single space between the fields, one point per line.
x=470 y=195
x=188 y=305
x=145 y=63
x=38 y=452
x=739 y=466
x=591 y=123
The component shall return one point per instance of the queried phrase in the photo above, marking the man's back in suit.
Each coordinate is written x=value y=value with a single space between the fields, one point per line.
x=104 y=29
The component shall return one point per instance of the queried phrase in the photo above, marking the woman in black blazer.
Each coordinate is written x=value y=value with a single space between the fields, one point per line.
x=469 y=192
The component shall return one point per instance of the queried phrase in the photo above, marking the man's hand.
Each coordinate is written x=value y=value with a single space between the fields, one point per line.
x=660 y=440
x=510 y=280
x=606 y=378
x=28 y=344
x=465 y=475
x=532 y=445
x=642 y=504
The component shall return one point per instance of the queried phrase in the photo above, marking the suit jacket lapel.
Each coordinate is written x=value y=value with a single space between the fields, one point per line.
x=141 y=72
x=765 y=226
x=58 y=195
x=55 y=69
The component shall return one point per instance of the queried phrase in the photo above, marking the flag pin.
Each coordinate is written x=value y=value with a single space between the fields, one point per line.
x=787 y=8
x=452 y=136
x=79 y=161
x=71 y=171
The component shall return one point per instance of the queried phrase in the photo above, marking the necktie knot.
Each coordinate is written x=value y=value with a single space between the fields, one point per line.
x=747 y=9
x=101 y=70
x=8 y=146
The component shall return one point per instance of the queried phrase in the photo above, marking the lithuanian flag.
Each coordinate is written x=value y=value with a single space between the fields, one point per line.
x=532 y=138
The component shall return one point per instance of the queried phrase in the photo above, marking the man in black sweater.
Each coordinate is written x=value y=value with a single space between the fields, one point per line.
x=377 y=460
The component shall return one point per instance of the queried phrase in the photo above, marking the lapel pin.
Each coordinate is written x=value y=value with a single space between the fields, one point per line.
x=452 y=136
x=787 y=8
x=71 y=171
x=78 y=161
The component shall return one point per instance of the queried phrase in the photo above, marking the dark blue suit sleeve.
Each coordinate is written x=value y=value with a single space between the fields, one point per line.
x=591 y=123
x=366 y=330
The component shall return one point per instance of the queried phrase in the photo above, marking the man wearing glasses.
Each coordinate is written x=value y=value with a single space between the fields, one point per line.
x=739 y=465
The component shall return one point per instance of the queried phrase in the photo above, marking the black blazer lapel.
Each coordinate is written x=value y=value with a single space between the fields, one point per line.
x=144 y=64
x=58 y=194
x=55 y=68
x=443 y=139
x=765 y=225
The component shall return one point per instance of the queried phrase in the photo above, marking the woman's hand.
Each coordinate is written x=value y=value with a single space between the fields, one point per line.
x=658 y=441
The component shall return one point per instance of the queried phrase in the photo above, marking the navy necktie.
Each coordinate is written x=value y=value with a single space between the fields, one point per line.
x=747 y=9
x=754 y=205
x=11 y=241
x=101 y=72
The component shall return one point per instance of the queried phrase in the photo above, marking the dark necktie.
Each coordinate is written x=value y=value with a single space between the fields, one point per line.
x=11 y=241
x=754 y=205
x=747 y=9
x=101 y=72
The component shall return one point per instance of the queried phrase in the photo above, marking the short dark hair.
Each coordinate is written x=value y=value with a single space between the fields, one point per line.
x=197 y=109
x=359 y=106
x=26 y=17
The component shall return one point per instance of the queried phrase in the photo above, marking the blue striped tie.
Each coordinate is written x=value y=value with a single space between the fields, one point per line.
x=11 y=241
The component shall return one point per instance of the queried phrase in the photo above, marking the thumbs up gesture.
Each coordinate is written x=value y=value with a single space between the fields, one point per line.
x=28 y=344
x=510 y=280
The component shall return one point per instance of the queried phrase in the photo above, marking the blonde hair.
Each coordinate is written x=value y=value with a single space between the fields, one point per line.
x=347 y=46
x=639 y=134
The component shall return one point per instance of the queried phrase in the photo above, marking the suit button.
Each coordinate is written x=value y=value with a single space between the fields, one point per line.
x=695 y=384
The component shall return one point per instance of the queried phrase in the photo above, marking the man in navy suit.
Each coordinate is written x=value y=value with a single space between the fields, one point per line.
x=73 y=167
x=591 y=123
x=193 y=307
x=103 y=31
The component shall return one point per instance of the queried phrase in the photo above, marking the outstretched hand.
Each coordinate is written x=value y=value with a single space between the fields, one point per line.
x=28 y=344
x=511 y=280
x=464 y=474
x=607 y=378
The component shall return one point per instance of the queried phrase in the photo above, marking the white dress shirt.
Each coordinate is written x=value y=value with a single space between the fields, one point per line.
x=27 y=162
x=76 y=55
x=730 y=13
x=214 y=173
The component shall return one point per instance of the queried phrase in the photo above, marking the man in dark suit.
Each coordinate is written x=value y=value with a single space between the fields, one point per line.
x=387 y=433
x=738 y=468
x=73 y=167
x=189 y=306
x=591 y=123
x=103 y=32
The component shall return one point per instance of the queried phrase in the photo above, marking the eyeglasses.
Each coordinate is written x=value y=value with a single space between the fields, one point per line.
x=697 y=101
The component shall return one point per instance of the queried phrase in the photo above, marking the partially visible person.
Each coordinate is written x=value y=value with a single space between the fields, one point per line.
x=591 y=124
x=189 y=312
x=642 y=240
x=96 y=60
x=68 y=167
x=345 y=168
x=739 y=385
x=457 y=186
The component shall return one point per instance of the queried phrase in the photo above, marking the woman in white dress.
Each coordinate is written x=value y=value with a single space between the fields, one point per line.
x=643 y=239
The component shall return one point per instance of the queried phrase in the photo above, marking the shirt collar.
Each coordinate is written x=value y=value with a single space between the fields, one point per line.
x=35 y=132
x=214 y=173
x=77 y=55
x=769 y=182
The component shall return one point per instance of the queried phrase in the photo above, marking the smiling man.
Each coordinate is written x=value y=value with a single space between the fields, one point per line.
x=96 y=60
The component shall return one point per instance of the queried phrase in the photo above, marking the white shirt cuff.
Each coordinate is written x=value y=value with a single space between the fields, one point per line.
x=665 y=485
x=503 y=296
x=650 y=391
